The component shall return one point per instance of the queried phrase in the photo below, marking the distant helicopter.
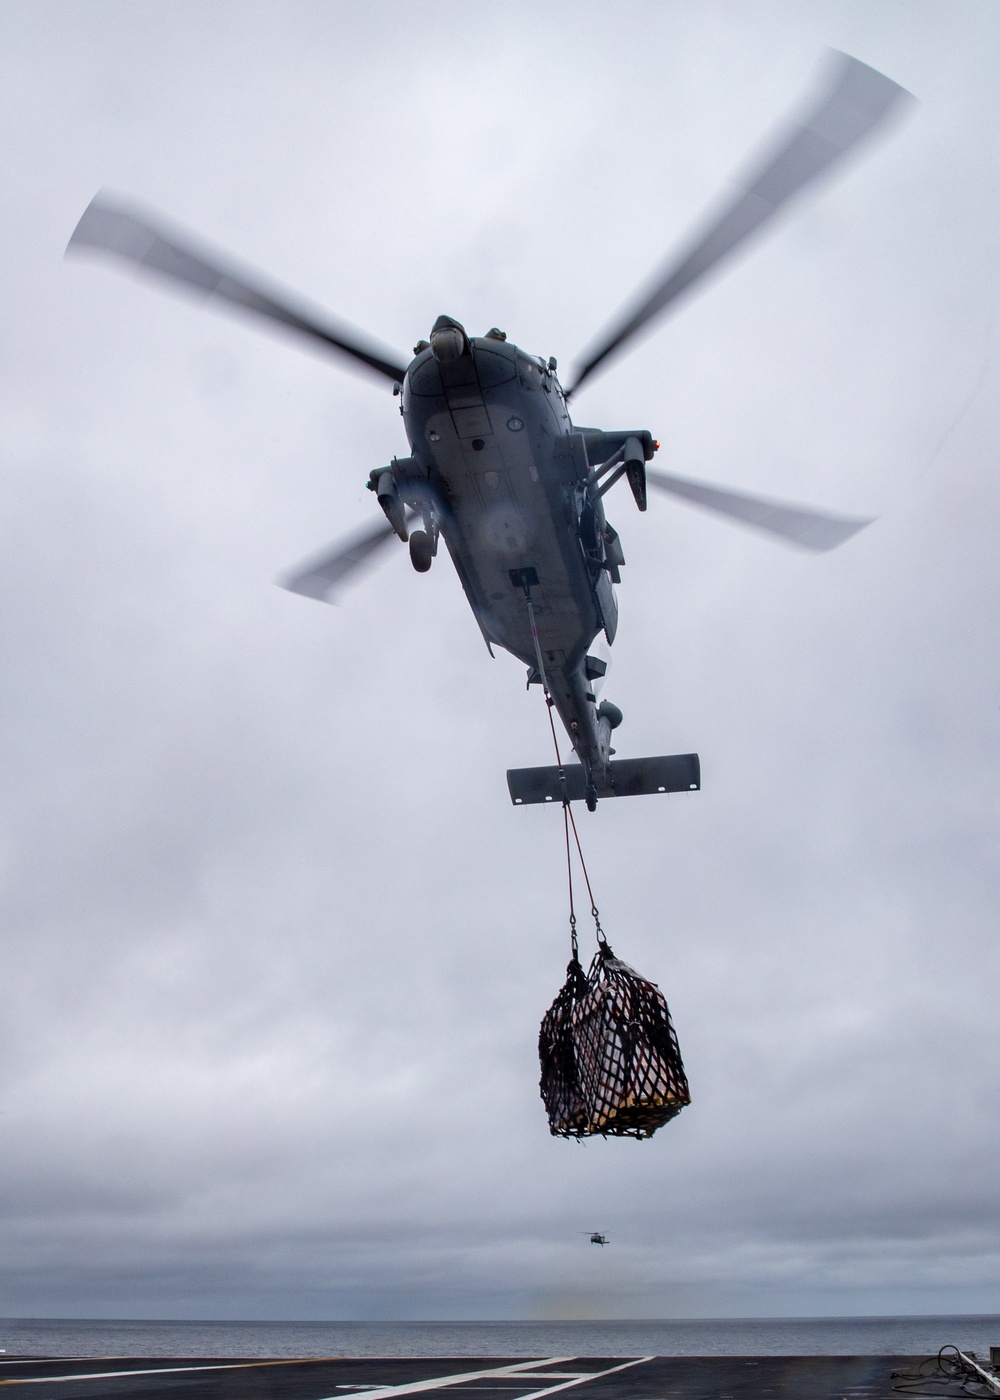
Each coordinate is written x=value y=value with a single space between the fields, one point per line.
x=596 y=1237
x=498 y=470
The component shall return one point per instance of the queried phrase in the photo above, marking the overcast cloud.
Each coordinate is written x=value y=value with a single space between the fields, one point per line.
x=275 y=943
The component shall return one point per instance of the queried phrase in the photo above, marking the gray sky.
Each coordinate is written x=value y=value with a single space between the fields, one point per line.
x=275 y=944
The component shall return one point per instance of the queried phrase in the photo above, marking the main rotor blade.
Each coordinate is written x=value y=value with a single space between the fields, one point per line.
x=808 y=528
x=319 y=577
x=857 y=100
x=127 y=233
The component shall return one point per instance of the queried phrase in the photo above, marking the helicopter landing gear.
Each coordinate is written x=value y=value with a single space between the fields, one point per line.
x=421 y=550
x=590 y=797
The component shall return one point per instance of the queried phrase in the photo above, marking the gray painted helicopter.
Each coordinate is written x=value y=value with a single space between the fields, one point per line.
x=498 y=470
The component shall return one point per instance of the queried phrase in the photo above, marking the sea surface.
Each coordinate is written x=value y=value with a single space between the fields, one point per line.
x=791 y=1336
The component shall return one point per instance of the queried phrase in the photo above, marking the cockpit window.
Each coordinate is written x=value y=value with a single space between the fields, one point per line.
x=492 y=368
x=425 y=378
x=530 y=372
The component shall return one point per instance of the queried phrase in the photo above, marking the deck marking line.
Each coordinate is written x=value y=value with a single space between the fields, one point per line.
x=542 y=1375
x=441 y=1382
x=591 y=1376
x=160 y=1371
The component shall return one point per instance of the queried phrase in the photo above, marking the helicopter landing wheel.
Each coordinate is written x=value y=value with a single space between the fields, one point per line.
x=591 y=798
x=421 y=550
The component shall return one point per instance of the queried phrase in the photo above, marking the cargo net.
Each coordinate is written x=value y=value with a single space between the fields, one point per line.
x=611 y=1065
x=610 y=1060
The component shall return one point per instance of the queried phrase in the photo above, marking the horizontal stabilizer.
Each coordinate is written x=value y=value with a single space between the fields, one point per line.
x=630 y=777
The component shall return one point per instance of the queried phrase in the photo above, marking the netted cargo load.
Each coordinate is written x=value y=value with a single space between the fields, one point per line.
x=611 y=1064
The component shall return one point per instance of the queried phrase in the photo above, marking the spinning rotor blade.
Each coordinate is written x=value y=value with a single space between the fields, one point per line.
x=858 y=100
x=319 y=577
x=115 y=228
x=807 y=528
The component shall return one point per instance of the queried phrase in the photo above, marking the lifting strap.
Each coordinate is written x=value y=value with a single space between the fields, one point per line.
x=569 y=821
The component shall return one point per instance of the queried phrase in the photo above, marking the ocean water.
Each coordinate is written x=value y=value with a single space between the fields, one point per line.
x=833 y=1336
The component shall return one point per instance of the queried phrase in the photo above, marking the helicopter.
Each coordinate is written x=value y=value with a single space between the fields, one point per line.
x=499 y=471
x=596 y=1237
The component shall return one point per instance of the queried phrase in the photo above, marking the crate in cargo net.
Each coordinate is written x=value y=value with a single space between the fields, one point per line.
x=610 y=1060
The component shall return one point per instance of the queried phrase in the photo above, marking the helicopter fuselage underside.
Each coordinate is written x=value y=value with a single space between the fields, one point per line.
x=491 y=436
